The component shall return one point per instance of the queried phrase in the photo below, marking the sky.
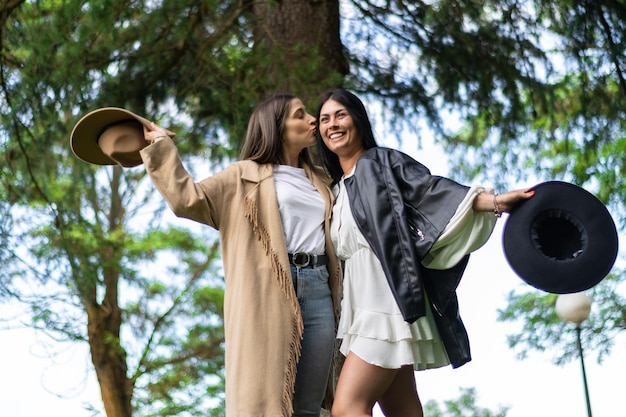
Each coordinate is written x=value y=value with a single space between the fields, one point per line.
x=31 y=384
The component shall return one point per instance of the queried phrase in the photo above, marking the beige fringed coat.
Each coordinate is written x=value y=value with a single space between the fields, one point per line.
x=263 y=325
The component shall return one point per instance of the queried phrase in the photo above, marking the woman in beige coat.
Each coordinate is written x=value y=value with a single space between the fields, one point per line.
x=272 y=209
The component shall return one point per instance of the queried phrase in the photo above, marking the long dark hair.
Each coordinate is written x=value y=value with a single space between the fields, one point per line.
x=266 y=127
x=357 y=111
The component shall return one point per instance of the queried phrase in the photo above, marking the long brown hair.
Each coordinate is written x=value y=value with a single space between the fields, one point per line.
x=266 y=127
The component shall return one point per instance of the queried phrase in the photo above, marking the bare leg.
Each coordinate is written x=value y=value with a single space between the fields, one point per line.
x=401 y=397
x=361 y=385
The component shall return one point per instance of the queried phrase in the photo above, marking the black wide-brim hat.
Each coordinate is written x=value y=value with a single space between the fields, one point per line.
x=562 y=240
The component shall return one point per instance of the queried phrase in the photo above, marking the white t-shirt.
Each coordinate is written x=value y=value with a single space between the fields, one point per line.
x=302 y=210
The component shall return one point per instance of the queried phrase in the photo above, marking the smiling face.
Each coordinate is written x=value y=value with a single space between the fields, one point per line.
x=338 y=130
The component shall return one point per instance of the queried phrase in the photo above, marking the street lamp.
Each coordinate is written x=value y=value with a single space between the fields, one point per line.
x=575 y=308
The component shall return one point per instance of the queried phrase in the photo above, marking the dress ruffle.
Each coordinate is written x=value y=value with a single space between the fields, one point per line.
x=389 y=342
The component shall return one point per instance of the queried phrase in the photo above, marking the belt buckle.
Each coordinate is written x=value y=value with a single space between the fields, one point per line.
x=296 y=262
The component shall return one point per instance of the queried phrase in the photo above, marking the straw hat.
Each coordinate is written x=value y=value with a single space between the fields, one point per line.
x=110 y=136
x=562 y=240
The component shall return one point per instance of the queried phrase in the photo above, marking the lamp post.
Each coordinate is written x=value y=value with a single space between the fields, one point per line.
x=575 y=308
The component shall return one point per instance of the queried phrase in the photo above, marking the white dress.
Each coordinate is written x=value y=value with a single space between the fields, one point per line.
x=371 y=324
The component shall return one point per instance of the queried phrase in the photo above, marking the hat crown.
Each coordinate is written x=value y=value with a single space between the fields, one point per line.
x=122 y=143
x=558 y=235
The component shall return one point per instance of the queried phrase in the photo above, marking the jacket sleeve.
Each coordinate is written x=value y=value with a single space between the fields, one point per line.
x=203 y=202
x=467 y=231
x=430 y=201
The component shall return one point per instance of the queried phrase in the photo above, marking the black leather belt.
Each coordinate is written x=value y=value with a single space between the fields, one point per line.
x=306 y=260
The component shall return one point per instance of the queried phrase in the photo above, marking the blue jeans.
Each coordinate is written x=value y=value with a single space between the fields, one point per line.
x=313 y=292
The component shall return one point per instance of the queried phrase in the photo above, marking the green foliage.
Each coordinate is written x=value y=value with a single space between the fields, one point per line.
x=464 y=406
x=537 y=87
x=542 y=330
x=564 y=117
x=184 y=371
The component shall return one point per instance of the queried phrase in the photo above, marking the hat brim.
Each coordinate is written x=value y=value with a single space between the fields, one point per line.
x=84 y=136
x=562 y=240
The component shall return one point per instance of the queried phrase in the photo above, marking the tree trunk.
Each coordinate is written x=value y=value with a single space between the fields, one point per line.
x=105 y=320
x=303 y=38
x=109 y=360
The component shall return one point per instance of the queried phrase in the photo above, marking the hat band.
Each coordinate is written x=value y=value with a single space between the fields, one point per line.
x=558 y=235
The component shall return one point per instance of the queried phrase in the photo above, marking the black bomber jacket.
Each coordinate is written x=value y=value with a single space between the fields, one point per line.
x=401 y=209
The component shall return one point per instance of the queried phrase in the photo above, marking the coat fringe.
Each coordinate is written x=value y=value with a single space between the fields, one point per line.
x=286 y=285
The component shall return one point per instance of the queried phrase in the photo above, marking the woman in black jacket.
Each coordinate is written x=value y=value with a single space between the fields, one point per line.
x=405 y=236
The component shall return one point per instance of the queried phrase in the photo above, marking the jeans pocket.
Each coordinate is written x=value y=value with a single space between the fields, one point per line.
x=321 y=273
